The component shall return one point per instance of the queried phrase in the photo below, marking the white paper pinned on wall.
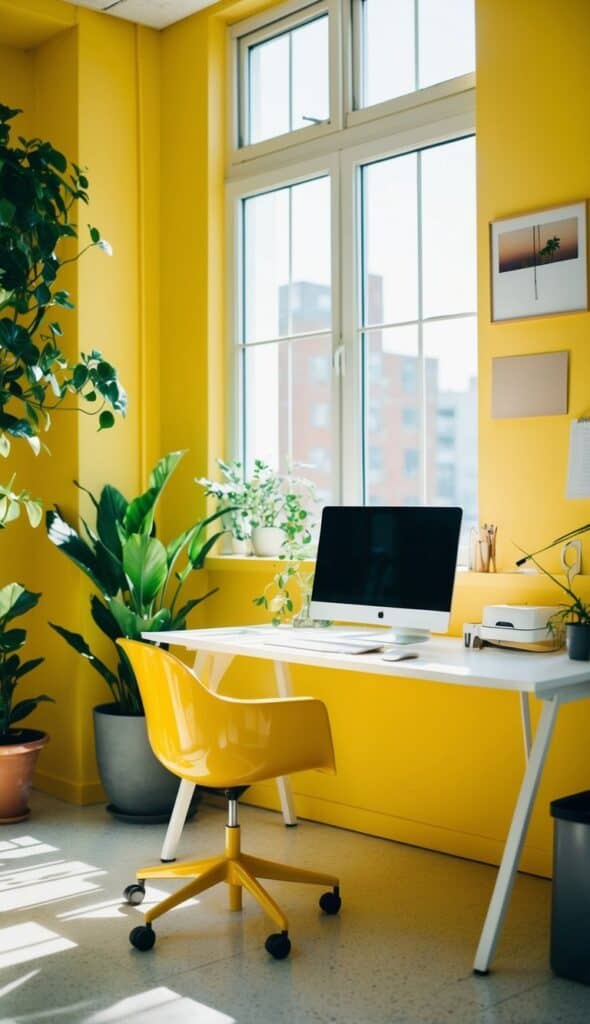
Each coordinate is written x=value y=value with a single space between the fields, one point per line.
x=578 y=470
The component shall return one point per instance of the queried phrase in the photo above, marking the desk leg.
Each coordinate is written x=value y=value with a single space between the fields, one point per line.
x=516 y=836
x=186 y=789
x=525 y=715
x=285 y=689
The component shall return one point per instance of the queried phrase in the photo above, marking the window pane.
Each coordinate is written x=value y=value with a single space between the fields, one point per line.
x=390 y=240
x=450 y=353
x=310 y=100
x=448 y=228
x=392 y=433
x=447 y=39
x=311 y=296
x=388 y=49
x=394 y=63
x=269 y=113
x=282 y=394
x=289 y=81
x=286 y=256
x=266 y=265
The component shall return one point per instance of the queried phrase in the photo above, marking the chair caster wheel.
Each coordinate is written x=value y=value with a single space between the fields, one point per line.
x=142 y=937
x=330 y=902
x=134 y=894
x=278 y=945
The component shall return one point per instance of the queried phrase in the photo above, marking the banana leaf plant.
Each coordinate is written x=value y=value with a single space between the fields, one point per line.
x=139 y=585
x=14 y=601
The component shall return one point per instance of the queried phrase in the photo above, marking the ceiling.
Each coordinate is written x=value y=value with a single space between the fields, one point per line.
x=155 y=13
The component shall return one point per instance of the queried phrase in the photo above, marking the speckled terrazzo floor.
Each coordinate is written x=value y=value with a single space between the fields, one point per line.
x=400 y=952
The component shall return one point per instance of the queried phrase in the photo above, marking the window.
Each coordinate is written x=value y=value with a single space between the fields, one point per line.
x=406 y=45
x=286 y=342
x=284 y=75
x=351 y=217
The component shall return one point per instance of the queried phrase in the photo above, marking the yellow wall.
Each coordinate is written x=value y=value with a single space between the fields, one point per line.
x=533 y=151
x=93 y=90
x=423 y=763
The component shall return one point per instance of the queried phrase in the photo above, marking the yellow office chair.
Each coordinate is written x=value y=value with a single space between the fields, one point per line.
x=226 y=744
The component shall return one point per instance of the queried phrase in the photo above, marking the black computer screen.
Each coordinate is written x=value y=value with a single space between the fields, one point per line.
x=388 y=557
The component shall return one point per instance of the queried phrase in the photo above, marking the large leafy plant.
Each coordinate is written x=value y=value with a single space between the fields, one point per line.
x=139 y=585
x=14 y=601
x=39 y=190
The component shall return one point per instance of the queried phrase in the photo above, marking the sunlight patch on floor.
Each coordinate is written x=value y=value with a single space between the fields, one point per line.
x=24 y=846
x=158 y=1005
x=32 y=886
x=20 y=943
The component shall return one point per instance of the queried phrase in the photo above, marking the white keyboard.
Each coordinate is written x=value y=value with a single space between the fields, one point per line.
x=331 y=645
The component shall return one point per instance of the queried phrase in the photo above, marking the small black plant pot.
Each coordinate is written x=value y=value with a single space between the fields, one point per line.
x=577 y=636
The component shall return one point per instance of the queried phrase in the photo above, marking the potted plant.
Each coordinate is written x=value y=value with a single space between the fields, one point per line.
x=19 y=748
x=574 y=613
x=139 y=584
x=39 y=193
x=273 y=506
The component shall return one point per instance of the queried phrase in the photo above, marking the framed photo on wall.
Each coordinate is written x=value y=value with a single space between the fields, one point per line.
x=538 y=263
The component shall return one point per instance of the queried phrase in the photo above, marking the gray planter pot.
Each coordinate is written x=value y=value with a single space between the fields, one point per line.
x=139 y=788
x=577 y=636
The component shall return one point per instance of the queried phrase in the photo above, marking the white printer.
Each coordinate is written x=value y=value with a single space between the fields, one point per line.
x=522 y=626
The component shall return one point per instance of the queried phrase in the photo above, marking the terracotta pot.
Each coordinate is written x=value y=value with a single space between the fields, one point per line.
x=18 y=758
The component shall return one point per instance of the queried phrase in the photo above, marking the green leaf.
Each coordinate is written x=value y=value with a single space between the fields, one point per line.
x=128 y=621
x=180 y=617
x=110 y=517
x=199 y=549
x=94 y=232
x=139 y=517
x=34 y=510
x=24 y=707
x=57 y=160
x=12 y=639
x=104 y=618
x=7 y=212
x=79 y=644
x=15 y=600
x=69 y=541
x=80 y=376
x=146 y=567
x=106 y=420
x=27 y=666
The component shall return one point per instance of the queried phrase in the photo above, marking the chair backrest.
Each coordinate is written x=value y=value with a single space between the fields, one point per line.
x=219 y=741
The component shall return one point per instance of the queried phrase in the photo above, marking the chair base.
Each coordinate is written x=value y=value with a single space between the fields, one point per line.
x=239 y=871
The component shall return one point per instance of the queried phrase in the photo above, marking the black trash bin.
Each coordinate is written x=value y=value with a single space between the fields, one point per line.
x=570 y=904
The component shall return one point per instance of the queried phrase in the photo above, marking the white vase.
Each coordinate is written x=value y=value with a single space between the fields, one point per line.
x=267 y=541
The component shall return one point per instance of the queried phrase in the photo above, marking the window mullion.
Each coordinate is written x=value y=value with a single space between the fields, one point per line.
x=350 y=437
x=421 y=362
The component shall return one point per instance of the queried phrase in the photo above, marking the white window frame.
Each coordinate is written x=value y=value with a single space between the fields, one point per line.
x=352 y=160
x=256 y=30
x=236 y=192
x=440 y=113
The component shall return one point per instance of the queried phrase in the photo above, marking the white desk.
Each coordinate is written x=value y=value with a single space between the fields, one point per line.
x=551 y=677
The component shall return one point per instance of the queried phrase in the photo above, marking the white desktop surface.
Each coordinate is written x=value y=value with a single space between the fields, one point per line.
x=550 y=676
x=440 y=659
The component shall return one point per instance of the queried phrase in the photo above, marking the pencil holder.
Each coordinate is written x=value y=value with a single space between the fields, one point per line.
x=482 y=549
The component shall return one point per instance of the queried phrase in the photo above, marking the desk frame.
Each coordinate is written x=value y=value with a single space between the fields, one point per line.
x=563 y=687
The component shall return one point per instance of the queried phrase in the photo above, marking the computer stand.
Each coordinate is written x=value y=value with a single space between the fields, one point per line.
x=397 y=637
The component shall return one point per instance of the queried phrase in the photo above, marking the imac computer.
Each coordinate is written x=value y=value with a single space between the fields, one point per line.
x=387 y=566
